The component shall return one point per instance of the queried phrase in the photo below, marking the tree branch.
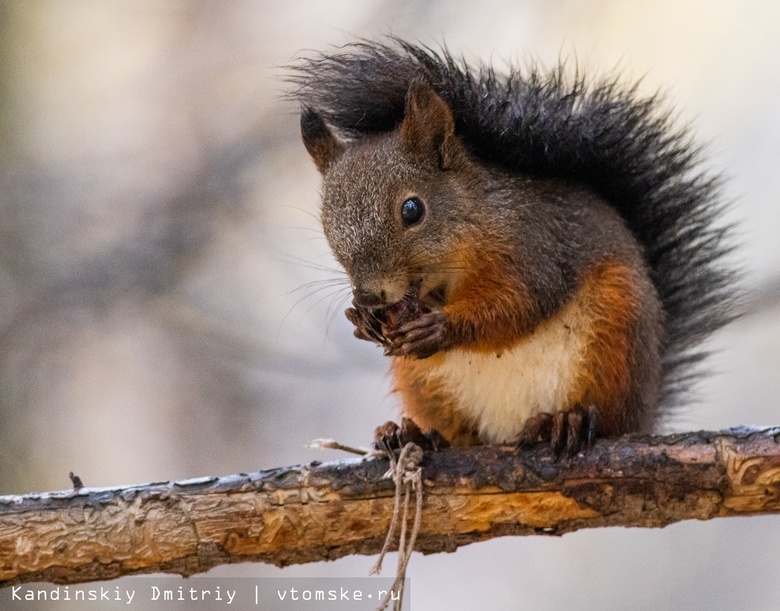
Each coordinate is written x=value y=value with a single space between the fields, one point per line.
x=325 y=511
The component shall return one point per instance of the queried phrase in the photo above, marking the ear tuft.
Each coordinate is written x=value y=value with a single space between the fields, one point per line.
x=428 y=128
x=319 y=140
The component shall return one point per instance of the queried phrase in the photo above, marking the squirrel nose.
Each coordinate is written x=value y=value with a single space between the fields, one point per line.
x=367 y=299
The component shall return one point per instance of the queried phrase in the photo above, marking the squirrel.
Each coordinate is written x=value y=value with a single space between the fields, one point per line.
x=540 y=254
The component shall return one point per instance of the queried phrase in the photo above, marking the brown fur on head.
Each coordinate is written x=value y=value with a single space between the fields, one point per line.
x=367 y=182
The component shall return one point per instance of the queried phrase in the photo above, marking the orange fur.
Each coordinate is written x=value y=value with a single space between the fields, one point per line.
x=606 y=308
x=490 y=304
x=429 y=404
x=611 y=299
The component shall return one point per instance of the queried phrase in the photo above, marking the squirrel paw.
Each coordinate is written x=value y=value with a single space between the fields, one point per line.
x=566 y=431
x=366 y=326
x=422 y=337
x=390 y=437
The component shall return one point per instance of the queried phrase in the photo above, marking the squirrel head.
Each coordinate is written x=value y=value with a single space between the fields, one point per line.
x=394 y=204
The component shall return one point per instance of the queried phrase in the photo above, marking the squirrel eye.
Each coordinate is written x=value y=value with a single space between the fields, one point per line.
x=412 y=211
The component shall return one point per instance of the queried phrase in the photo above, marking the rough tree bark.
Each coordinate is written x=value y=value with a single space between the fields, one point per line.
x=324 y=511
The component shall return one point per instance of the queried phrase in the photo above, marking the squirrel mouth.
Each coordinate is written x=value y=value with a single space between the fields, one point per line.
x=381 y=322
x=409 y=307
x=436 y=297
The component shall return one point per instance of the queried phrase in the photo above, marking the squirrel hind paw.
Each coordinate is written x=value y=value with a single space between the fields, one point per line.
x=390 y=437
x=567 y=432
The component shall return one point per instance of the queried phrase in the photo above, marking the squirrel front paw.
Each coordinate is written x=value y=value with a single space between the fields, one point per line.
x=421 y=337
x=404 y=328
x=390 y=436
x=565 y=431
x=366 y=325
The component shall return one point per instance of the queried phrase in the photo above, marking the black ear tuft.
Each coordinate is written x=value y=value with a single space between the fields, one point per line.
x=318 y=139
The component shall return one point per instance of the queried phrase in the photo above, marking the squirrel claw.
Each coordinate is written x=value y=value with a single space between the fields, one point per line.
x=390 y=437
x=567 y=432
x=365 y=327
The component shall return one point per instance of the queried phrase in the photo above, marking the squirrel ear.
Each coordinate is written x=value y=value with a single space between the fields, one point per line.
x=322 y=145
x=428 y=127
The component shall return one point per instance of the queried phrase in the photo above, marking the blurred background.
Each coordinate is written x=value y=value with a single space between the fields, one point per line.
x=161 y=311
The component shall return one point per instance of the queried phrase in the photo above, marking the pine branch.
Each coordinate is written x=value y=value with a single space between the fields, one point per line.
x=325 y=511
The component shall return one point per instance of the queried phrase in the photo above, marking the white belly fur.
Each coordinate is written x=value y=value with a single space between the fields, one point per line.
x=500 y=392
